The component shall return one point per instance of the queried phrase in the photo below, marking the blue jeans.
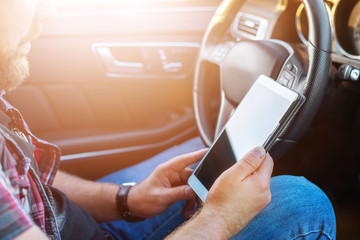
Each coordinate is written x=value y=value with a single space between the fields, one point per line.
x=298 y=209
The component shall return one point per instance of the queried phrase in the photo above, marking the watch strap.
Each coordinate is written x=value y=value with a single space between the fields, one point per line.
x=122 y=206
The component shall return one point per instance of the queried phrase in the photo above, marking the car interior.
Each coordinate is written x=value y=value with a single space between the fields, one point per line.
x=114 y=82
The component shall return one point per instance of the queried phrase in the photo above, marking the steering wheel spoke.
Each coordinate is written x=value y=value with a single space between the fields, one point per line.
x=225 y=111
x=219 y=52
x=292 y=74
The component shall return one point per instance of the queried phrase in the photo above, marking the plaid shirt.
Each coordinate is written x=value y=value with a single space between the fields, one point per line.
x=24 y=195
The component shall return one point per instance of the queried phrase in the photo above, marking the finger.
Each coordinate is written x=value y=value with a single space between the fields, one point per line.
x=250 y=162
x=189 y=208
x=180 y=193
x=181 y=177
x=179 y=163
x=184 y=175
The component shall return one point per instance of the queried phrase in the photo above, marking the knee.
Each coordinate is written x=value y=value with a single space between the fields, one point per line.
x=297 y=199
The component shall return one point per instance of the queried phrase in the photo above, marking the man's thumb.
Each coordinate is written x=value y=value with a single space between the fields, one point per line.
x=251 y=161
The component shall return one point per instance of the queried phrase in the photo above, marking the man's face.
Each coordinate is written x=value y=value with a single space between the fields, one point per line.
x=19 y=24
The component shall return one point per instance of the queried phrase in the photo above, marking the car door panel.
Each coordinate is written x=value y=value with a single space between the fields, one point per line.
x=124 y=113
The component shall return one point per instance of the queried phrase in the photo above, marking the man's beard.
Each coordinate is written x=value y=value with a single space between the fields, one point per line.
x=14 y=69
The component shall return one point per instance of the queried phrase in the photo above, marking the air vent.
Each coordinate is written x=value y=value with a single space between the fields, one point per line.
x=250 y=26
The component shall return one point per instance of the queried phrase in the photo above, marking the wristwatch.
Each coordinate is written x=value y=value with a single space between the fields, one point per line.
x=121 y=203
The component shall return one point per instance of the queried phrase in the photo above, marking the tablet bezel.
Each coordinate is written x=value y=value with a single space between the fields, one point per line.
x=296 y=99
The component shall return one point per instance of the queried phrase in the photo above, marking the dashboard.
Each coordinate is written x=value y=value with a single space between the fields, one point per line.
x=287 y=20
x=344 y=16
x=346 y=24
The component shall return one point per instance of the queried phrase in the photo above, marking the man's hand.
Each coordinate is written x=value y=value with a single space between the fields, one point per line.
x=236 y=197
x=241 y=192
x=166 y=185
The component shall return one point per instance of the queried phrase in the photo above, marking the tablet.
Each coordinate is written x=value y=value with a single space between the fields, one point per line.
x=257 y=121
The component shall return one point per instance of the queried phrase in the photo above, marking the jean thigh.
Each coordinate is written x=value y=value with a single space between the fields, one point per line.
x=298 y=210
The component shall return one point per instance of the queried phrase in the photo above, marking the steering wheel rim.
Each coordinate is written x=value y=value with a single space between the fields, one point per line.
x=311 y=82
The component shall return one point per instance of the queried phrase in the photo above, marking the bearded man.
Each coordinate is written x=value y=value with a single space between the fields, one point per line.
x=38 y=202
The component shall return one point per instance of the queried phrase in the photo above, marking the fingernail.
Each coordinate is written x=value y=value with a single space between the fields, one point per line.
x=259 y=152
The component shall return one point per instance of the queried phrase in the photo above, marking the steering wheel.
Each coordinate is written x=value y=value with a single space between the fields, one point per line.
x=226 y=68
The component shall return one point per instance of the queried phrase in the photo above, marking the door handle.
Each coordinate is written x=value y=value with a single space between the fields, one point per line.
x=115 y=66
x=147 y=59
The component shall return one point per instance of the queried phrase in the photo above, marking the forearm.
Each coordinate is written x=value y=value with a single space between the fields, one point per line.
x=97 y=198
x=204 y=225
